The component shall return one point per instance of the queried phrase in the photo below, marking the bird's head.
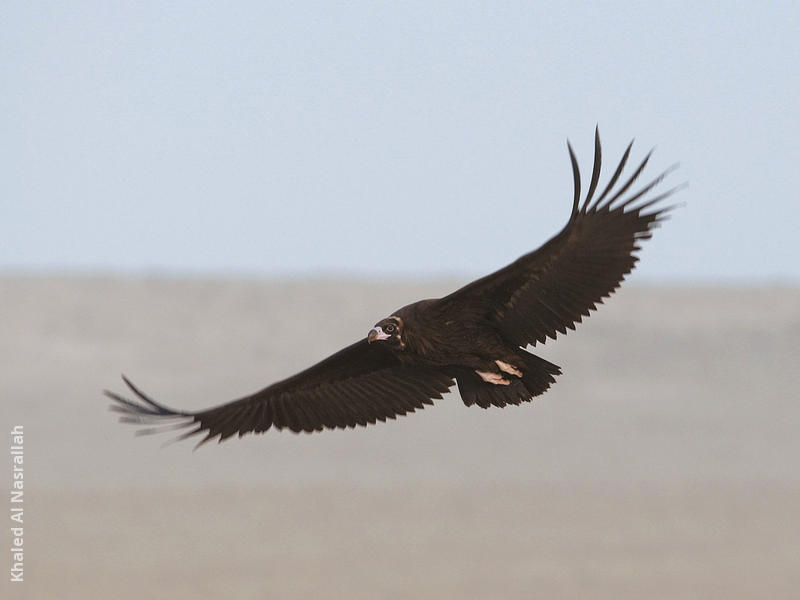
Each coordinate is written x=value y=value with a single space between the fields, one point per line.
x=388 y=331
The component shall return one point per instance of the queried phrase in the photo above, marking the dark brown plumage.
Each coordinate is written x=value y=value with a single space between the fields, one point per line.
x=475 y=337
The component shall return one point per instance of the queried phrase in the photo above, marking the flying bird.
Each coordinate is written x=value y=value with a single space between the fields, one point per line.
x=474 y=338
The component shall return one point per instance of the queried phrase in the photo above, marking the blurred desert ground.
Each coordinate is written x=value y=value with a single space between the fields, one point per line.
x=663 y=464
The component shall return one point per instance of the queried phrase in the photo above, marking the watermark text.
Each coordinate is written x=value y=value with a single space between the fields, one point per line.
x=16 y=514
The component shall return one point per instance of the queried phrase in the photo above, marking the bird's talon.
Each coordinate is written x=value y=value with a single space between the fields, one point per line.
x=495 y=378
x=507 y=368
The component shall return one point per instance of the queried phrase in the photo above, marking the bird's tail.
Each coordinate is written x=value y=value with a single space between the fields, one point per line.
x=537 y=376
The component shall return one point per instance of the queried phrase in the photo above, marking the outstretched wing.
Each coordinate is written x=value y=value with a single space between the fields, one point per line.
x=553 y=288
x=360 y=384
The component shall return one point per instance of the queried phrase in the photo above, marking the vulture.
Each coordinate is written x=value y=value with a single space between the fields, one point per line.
x=474 y=338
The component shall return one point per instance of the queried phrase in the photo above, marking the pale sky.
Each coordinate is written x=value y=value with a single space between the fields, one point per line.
x=377 y=139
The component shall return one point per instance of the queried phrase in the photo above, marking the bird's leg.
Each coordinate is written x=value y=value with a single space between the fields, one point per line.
x=495 y=378
x=507 y=368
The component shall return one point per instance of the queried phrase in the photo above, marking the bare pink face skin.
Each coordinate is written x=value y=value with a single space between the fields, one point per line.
x=377 y=334
x=386 y=329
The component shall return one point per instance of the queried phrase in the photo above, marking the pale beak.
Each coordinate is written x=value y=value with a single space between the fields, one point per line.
x=376 y=334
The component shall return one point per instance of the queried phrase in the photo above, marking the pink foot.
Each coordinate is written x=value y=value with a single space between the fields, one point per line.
x=494 y=378
x=507 y=368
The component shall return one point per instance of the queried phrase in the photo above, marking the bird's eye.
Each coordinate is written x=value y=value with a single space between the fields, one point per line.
x=389 y=328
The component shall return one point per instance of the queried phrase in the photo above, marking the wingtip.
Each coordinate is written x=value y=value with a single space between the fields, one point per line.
x=203 y=441
x=596 y=168
x=127 y=381
x=576 y=177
